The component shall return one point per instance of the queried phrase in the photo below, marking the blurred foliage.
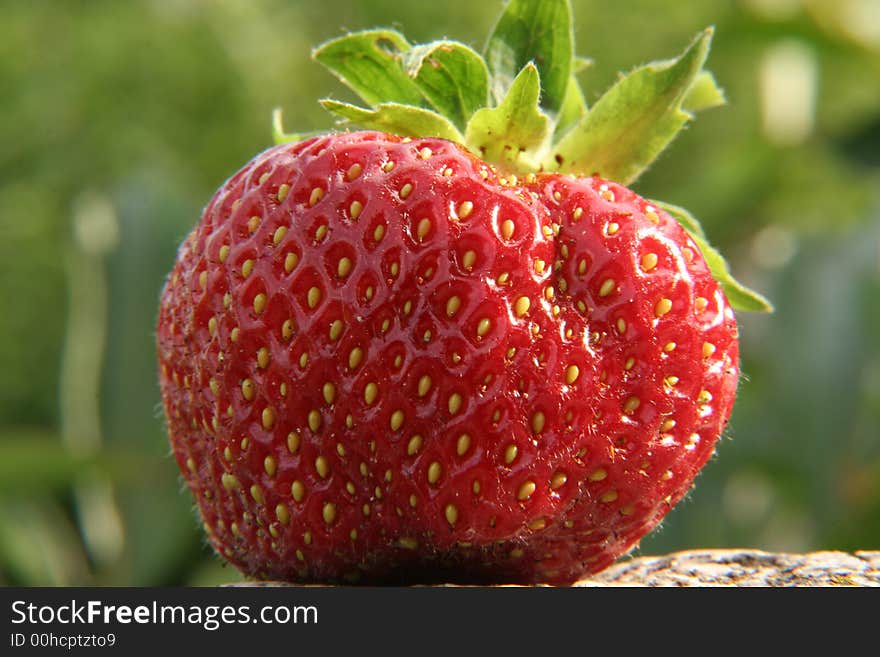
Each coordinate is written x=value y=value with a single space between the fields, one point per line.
x=119 y=119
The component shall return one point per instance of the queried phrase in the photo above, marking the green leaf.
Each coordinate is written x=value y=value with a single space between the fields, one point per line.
x=538 y=31
x=452 y=76
x=634 y=121
x=704 y=94
x=280 y=137
x=688 y=221
x=515 y=132
x=573 y=107
x=739 y=296
x=397 y=119
x=371 y=64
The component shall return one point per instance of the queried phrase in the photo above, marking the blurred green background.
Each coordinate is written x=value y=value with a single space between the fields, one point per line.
x=119 y=119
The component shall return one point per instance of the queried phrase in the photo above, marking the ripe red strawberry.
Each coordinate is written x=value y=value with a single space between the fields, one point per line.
x=383 y=360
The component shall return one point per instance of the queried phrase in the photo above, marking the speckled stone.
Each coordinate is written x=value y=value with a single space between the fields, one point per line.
x=743 y=568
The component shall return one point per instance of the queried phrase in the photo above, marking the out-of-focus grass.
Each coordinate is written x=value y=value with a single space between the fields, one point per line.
x=119 y=119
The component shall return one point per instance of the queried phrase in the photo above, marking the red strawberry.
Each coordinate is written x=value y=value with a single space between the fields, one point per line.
x=383 y=361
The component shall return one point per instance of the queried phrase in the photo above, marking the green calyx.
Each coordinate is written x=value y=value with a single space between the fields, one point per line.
x=519 y=106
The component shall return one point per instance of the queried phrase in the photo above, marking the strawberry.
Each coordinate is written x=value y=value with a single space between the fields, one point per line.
x=434 y=356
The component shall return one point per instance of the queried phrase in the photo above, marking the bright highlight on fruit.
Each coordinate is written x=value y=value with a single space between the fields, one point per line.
x=452 y=345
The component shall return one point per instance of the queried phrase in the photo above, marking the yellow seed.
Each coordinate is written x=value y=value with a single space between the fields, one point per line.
x=652 y=215
x=606 y=193
x=669 y=347
x=316 y=195
x=468 y=259
x=262 y=357
x=413 y=501
x=435 y=470
x=414 y=445
x=510 y=453
x=704 y=397
x=203 y=280
x=424 y=385
x=582 y=267
x=708 y=349
x=355 y=357
x=320 y=232
x=314 y=420
x=279 y=234
x=388 y=166
x=268 y=418
x=608 y=497
x=313 y=297
x=355 y=209
x=287 y=329
x=451 y=514
x=526 y=490
x=257 y=494
x=663 y=306
x=558 y=480
x=598 y=475
x=577 y=214
x=465 y=209
x=629 y=363
x=621 y=325
x=246 y=268
x=368 y=293
x=454 y=403
x=607 y=287
x=537 y=523
x=572 y=372
x=386 y=323
x=538 y=421
x=329 y=512
x=406 y=190
x=247 y=389
x=521 y=307
x=613 y=227
x=290 y=261
x=298 y=490
x=370 y=393
x=270 y=465
x=407 y=308
x=666 y=476
x=700 y=304
x=649 y=261
x=283 y=514
x=224 y=253
x=425 y=153
x=253 y=224
x=212 y=325
x=259 y=303
x=191 y=464
x=354 y=171
x=463 y=444
x=670 y=380
x=452 y=305
x=329 y=391
x=483 y=327
x=293 y=441
x=336 y=329
x=507 y=229
x=631 y=404
x=396 y=420
x=283 y=191
x=539 y=266
x=340 y=449
x=322 y=467
x=229 y=481
x=395 y=269
x=423 y=228
x=378 y=232
x=408 y=543
x=667 y=425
